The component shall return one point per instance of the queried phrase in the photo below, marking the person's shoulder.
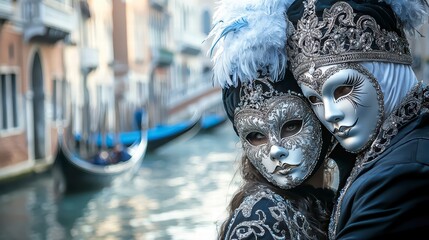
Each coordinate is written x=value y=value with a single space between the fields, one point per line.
x=419 y=135
x=399 y=172
x=265 y=214
x=261 y=215
x=262 y=199
x=409 y=149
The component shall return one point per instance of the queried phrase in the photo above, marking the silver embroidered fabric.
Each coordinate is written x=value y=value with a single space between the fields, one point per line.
x=267 y=215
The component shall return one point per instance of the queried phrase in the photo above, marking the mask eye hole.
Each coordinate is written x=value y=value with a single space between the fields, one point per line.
x=342 y=91
x=314 y=99
x=291 y=128
x=256 y=138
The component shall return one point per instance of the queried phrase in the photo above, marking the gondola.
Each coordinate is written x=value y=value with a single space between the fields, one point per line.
x=165 y=133
x=212 y=120
x=73 y=173
x=161 y=134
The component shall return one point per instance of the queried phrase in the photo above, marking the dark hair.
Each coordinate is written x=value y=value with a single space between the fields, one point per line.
x=303 y=197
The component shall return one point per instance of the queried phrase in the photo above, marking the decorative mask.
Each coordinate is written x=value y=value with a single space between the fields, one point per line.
x=349 y=102
x=279 y=132
x=328 y=43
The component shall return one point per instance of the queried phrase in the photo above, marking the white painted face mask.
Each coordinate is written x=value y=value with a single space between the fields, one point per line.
x=349 y=102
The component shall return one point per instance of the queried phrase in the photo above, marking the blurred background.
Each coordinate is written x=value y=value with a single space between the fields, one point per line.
x=110 y=124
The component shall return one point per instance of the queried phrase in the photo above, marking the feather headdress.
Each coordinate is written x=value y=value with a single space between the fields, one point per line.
x=248 y=37
x=411 y=13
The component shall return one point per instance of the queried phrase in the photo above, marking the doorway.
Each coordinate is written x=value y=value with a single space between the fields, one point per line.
x=38 y=108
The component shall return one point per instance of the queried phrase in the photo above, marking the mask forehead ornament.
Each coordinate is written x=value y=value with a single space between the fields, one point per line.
x=254 y=95
x=341 y=36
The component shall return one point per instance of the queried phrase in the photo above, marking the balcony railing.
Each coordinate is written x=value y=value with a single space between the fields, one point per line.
x=6 y=10
x=47 y=20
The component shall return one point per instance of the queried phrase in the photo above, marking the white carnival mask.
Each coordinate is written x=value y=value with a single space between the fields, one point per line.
x=348 y=101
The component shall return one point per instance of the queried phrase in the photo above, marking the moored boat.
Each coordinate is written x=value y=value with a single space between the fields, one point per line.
x=104 y=168
x=163 y=134
x=212 y=120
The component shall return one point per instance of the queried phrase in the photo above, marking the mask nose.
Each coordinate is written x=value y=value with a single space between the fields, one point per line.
x=332 y=113
x=278 y=153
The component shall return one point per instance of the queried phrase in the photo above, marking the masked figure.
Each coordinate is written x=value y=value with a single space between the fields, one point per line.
x=284 y=147
x=352 y=61
x=287 y=189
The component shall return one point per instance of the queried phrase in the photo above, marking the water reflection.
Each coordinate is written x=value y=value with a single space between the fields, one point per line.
x=179 y=193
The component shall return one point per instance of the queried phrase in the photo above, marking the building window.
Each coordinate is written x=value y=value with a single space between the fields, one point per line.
x=8 y=102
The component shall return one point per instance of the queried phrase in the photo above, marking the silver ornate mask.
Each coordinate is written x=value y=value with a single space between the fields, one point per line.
x=280 y=134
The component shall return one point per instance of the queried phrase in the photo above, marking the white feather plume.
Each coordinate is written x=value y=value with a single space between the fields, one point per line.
x=247 y=37
x=412 y=13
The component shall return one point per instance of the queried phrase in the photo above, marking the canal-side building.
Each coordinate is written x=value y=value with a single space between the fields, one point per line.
x=191 y=86
x=89 y=62
x=158 y=48
x=33 y=35
x=54 y=52
x=143 y=54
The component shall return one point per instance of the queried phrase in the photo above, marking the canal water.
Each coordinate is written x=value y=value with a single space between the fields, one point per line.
x=180 y=192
